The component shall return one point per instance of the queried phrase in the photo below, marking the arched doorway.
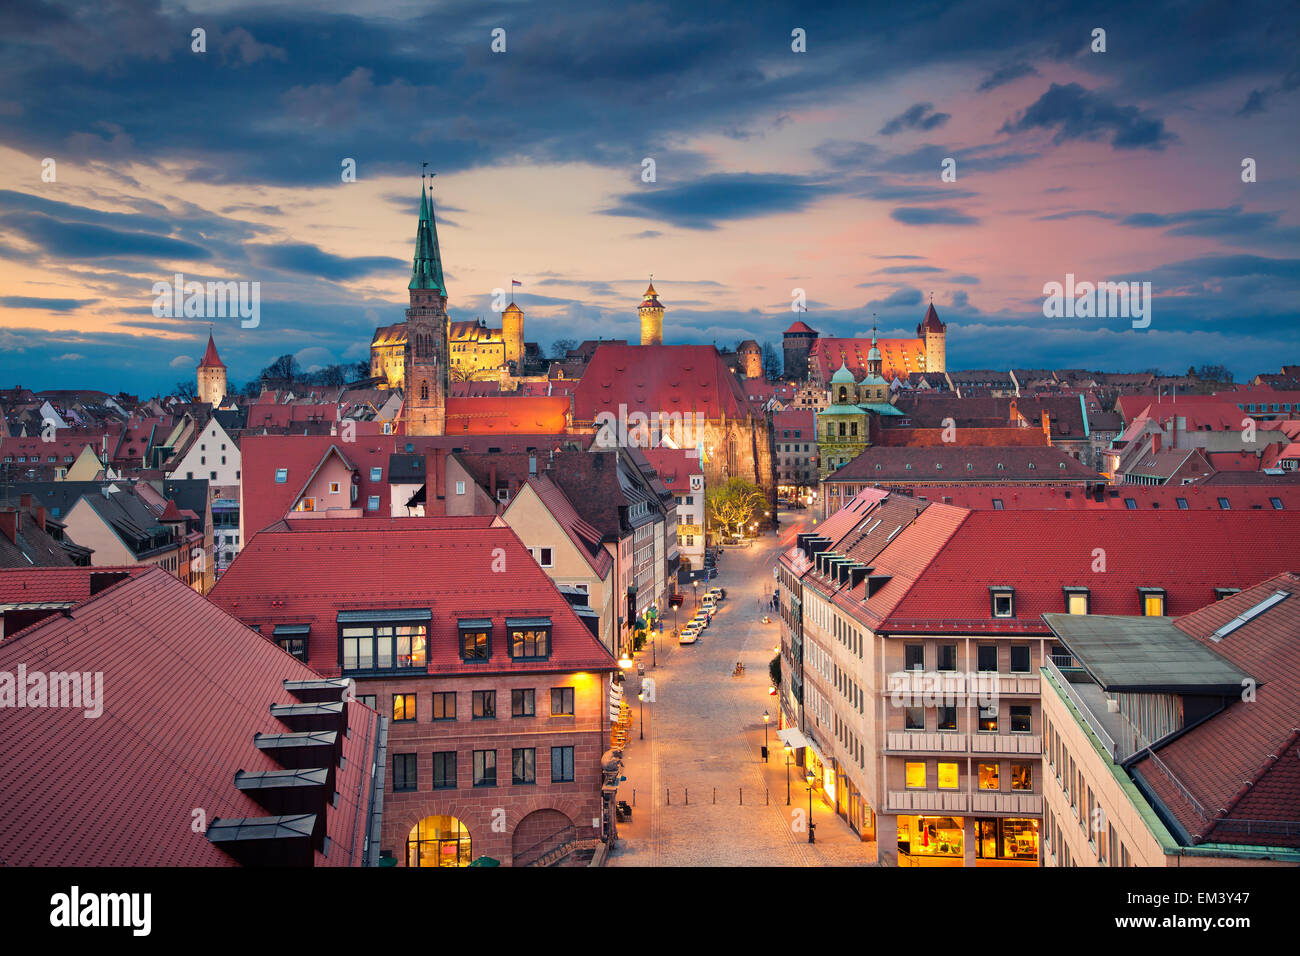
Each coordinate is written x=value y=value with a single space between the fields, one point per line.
x=538 y=834
x=438 y=841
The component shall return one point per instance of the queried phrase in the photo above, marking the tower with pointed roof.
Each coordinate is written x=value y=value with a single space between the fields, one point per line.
x=651 y=311
x=211 y=375
x=424 y=399
x=934 y=333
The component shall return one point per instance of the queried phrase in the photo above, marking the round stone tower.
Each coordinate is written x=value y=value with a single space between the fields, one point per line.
x=651 y=311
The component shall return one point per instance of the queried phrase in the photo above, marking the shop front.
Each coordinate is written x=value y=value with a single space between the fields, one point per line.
x=1006 y=842
x=823 y=772
x=852 y=807
x=931 y=841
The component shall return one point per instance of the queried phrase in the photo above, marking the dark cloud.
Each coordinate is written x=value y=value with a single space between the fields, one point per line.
x=1077 y=113
x=921 y=116
x=938 y=215
x=1232 y=225
x=1078 y=214
x=306 y=259
x=1006 y=74
x=721 y=197
x=49 y=305
x=78 y=240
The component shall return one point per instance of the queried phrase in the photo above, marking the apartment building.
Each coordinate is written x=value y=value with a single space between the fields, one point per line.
x=913 y=639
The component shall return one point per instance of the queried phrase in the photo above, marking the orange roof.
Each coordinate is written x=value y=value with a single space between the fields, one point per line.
x=508 y=415
x=899 y=357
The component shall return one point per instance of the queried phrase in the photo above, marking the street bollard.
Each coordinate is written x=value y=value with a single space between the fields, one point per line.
x=634 y=797
x=742 y=796
x=668 y=796
x=688 y=796
x=715 y=794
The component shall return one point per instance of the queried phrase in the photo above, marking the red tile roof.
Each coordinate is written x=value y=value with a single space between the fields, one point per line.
x=667 y=379
x=949 y=463
x=210 y=357
x=794 y=419
x=585 y=538
x=1242 y=764
x=799 y=326
x=185 y=689
x=674 y=467
x=1199 y=497
x=307 y=576
x=899 y=357
x=1039 y=553
x=508 y=415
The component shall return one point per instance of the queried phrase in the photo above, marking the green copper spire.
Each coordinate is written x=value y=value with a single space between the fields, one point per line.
x=426 y=269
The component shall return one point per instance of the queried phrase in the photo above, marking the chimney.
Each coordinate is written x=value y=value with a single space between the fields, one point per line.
x=25 y=502
x=39 y=515
x=10 y=523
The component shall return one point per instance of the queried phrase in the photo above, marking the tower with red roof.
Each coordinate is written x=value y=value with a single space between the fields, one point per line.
x=211 y=376
x=651 y=311
x=934 y=333
x=798 y=340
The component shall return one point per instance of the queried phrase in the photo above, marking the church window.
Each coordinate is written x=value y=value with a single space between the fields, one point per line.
x=424 y=391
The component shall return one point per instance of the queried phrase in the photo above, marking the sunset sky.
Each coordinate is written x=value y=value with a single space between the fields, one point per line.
x=775 y=170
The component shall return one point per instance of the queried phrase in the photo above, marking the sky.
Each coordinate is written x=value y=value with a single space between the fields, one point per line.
x=780 y=176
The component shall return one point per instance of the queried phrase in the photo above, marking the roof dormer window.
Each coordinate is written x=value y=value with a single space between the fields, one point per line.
x=1002 y=602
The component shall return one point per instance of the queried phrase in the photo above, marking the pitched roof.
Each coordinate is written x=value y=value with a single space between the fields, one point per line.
x=308 y=576
x=1241 y=766
x=584 y=537
x=185 y=689
x=798 y=327
x=1038 y=553
x=210 y=357
x=667 y=379
x=899 y=357
x=962 y=463
x=507 y=415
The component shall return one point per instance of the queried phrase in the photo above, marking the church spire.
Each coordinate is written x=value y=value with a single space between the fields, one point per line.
x=426 y=269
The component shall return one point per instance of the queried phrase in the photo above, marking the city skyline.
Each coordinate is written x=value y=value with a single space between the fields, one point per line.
x=775 y=170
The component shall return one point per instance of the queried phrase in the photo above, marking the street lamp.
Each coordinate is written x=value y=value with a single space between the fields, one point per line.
x=641 y=697
x=811 y=778
x=696 y=585
x=625 y=662
x=766 y=718
x=788 y=752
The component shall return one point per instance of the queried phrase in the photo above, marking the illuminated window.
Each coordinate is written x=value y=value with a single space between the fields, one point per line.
x=334 y=487
x=1076 y=600
x=947 y=776
x=383 y=646
x=403 y=707
x=1153 y=601
x=988 y=720
x=530 y=639
x=916 y=775
x=475 y=640
x=989 y=776
x=1022 y=776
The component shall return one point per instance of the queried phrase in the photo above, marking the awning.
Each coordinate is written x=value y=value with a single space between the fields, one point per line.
x=528 y=622
x=792 y=736
x=292 y=630
x=385 y=615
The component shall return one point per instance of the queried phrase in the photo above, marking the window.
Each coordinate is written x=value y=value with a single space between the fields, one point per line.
x=1020 y=659
x=460 y=487
x=369 y=700
x=485 y=704
x=403 y=707
x=988 y=719
x=947 y=718
x=1153 y=601
x=530 y=639
x=403 y=772
x=1131 y=504
x=997 y=504
x=1076 y=600
x=475 y=640
x=916 y=775
x=485 y=768
x=523 y=703
x=523 y=765
x=987 y=655
x=947 y=776
x=914 y=656
x=1020 y=719
x=544 y=557
x=1276 y=503
x=1182 y=504
x=1022 y=776
x=281 y=475
x=947 y=657
x=444 y=770
x=914 y=718
x=368 y=647
x=1003 y=605
x=561 y=701
x=989 y=776
x=334 y=487
x=376 y=474
x=561 y=765
x=444 y=705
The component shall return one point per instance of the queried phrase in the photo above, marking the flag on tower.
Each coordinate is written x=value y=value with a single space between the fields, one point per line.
x=515 y=282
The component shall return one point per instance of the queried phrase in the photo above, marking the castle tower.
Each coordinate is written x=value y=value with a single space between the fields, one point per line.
x=211 y=376
x=798 y=341
x=934 y=332
x=751 y=359
x=652 y=318
x=512 y=331
x=425 y=357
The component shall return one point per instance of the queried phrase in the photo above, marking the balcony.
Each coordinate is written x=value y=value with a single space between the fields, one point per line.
x=1005 y=744
x=928 y=688
x=911 y=741
x=959 y=801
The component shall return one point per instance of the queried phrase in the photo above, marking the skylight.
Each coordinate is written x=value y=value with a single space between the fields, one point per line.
x=1247 y=616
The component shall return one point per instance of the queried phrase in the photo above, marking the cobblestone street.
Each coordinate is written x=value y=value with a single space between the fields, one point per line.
x=702 y=742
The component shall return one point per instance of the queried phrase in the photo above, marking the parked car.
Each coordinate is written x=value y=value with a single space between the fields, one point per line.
x=700 y=621
x=719 y=594
x=688 y=635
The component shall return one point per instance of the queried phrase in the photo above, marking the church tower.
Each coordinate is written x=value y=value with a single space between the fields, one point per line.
x=212 y=376
x=425 y=358
x=934 y=332
x=652 y=318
